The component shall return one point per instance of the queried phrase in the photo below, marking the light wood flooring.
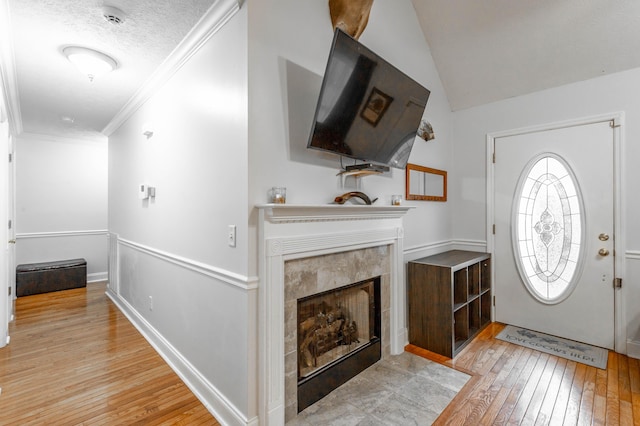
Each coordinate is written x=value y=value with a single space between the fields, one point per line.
x=511 y=384
x=74 y=358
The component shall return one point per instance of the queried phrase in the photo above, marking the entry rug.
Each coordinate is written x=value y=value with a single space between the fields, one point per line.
x=575 y=351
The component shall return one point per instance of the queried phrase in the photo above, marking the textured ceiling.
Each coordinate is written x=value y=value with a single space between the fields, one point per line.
x=484 y=50
x=50 y=87
x=490 y=50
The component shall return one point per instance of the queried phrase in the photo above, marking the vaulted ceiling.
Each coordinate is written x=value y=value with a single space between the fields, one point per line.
x=484 y=50
x=488 y=50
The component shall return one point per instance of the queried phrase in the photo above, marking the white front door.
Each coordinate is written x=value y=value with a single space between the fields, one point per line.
x=554 y=232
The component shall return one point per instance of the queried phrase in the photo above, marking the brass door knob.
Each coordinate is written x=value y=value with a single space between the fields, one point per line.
x=603 y=252
x=12 y=241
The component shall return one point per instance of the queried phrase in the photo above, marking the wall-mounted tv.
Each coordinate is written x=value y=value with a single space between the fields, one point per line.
x=367 y=109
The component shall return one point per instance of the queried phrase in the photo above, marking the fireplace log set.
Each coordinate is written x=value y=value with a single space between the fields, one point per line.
x=323 y=332
x=338 y=337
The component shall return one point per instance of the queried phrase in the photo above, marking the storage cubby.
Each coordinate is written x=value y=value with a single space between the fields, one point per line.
x=449 y=300
x=460 y=290
x=485 y=275
x=474 y=316
x=473 y=274
x=461 y=326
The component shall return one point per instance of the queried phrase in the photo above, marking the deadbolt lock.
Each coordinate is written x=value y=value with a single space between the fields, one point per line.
x=603 y=237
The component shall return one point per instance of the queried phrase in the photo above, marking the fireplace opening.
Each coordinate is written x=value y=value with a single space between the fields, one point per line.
x=338 y=337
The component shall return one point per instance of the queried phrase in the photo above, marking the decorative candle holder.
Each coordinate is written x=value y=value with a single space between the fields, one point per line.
x=278 y=195
x=396 y=200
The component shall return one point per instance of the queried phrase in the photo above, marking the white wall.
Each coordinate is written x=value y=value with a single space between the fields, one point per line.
x=4 y=217
x=589 y=98
x=231 y=123
x=289 y=42
x=61 y=201
x=172 y=249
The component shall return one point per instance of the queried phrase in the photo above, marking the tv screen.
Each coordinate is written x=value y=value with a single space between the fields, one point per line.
x=367 y=108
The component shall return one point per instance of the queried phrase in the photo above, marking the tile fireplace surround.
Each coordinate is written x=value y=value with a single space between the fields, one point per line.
x=362 y=242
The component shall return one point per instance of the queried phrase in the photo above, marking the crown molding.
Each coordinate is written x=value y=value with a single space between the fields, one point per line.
x=63 y=139
x=8 y=76
x=218 y=14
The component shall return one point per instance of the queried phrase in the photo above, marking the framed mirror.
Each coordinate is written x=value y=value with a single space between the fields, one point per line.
x=425 y=183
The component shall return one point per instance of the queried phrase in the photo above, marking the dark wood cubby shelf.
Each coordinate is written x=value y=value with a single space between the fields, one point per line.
x=449 y=300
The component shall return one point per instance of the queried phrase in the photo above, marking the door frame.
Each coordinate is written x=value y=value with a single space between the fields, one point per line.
x=617 y=120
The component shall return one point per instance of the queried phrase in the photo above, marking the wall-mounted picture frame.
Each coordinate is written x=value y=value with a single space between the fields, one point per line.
x=376 y=106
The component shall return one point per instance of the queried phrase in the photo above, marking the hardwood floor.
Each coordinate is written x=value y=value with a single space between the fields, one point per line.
x=511 y=384
x=74 y=358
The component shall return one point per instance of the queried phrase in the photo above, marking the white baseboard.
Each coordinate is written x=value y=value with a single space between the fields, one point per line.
x=222 y=409
x=633 y=349
x=97 y=276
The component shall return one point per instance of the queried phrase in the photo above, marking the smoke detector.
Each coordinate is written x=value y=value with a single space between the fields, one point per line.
x=113 y=15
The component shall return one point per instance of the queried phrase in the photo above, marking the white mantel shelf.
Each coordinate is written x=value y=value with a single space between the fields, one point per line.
x=322 y=212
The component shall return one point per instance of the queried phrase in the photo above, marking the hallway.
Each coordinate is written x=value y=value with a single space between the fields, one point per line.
x=75 y=358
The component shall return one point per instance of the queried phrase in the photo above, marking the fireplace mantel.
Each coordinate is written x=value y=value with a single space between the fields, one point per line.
x=278 y=213
x=289 y=231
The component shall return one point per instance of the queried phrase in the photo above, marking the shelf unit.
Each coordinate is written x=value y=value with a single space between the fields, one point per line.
x=449 y=300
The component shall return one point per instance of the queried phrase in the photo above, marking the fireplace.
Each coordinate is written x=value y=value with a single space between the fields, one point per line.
x=338 y=337
x=306 y=250
x=323 y=283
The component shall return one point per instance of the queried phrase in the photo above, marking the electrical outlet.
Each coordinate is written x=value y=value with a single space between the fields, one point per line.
x=151 y=303
x=231 y=237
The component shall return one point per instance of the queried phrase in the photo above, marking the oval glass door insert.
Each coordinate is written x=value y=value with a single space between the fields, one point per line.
x=549 y=225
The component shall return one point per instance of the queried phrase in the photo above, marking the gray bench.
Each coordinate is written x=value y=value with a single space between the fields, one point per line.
x=36 y=278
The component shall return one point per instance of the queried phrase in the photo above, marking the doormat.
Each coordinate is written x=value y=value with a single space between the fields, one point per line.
x=552 y=345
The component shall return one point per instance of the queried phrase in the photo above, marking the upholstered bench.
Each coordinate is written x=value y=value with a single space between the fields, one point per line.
x=35 y=278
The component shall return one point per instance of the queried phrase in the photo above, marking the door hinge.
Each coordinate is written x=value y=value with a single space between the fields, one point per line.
x=494 y=229
x=10 y=157
x=494 y=158
x=617 y=283
x=494 y=301
x=9 y=291
x=10 y=224
x=614 y=123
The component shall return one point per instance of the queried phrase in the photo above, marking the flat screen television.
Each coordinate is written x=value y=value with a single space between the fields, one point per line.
x=367 y=109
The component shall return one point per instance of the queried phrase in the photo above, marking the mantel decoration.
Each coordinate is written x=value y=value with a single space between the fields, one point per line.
x=354 y=194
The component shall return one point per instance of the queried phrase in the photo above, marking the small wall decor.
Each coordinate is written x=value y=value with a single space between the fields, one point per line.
x=425 y=131
x=376 y=106
x=425 y=184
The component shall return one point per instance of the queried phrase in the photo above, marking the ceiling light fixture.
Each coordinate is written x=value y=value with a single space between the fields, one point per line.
x=90 y=62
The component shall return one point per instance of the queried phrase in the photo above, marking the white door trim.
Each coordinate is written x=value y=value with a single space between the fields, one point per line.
x=619 y=212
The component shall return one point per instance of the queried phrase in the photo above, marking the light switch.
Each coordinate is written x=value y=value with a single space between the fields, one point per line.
x=231 y=239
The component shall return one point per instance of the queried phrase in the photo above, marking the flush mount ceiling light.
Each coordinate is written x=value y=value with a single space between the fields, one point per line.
x=90 y=62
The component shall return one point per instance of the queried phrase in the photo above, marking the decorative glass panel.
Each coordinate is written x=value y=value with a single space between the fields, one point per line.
x=548 y=226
